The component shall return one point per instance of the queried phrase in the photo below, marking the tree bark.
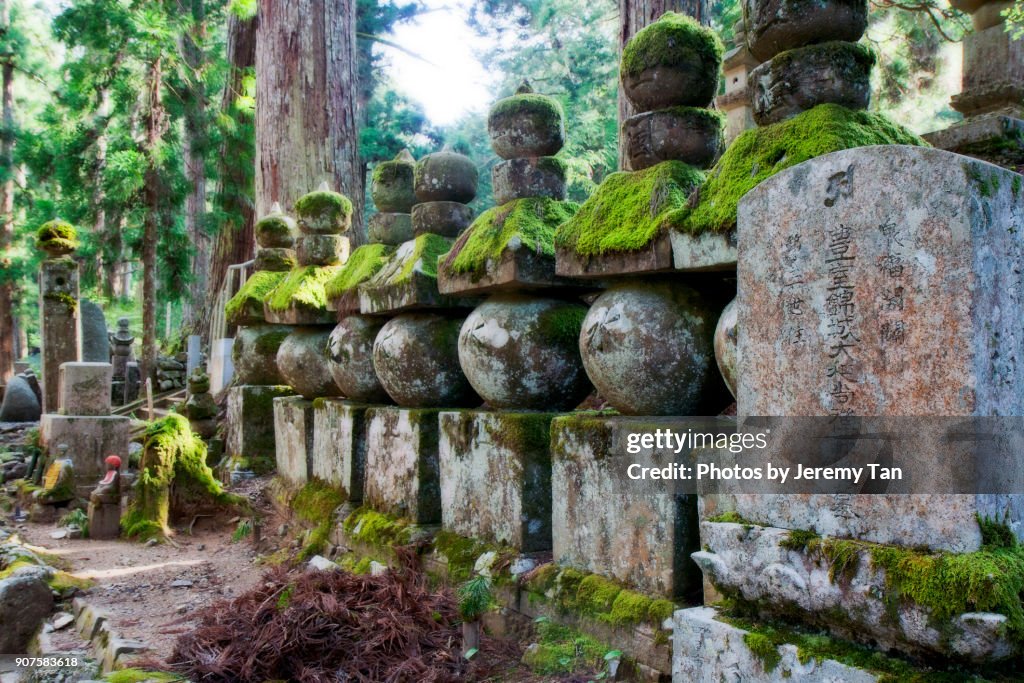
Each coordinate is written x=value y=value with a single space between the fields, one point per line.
x=236 y=241
x=635 y=15
x=7 y=292
x=306 y=104
x=195 y=164
x=154 y=121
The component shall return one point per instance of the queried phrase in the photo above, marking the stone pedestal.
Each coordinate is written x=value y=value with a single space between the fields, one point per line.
x=104 y=521
x=642 y=538
x=339 y=445
x=402 y=477
x=85 y=388
x=496 y=477
x=58 y=311
x=250 y=424
x=293 y=437
x=90 y=439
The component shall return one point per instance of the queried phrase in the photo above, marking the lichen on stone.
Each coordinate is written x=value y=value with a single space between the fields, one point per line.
x=304 y=288
x=363 y=264
x=531 y=222
x=252 y=294
x=57 y=235
x=674 y=40
x=760 y=153
x=394 y=171
x=173 y=457
x=628 y=210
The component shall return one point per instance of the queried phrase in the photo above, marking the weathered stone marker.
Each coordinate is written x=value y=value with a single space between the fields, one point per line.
x=58 y=305
x=95 y=340
x=865 y=291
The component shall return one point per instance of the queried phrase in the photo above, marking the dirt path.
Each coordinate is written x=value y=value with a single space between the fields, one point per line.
x=150 y=590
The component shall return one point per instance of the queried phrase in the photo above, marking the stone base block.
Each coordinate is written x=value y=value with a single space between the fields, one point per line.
x=339 y=445
x=845 y=587
x=250 y=423
x=517 y=269
x=293 y=437
x=104 y=521
x=656 y=257
x=706 y=650
x=496 y=477
x=643 y=539
x=85 y=388
x=90 y=440
x=402 y=477
x=705 y=252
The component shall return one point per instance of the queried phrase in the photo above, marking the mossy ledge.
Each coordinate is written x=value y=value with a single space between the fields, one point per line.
x=628 y=210
x=315 y=504
x=418 y=256
x=251 y=296
x=758 y=154
x=360 y=267
x=366 y=525
x=674 y=40
x=303 y=287
x=596 y=597
x=531 y=222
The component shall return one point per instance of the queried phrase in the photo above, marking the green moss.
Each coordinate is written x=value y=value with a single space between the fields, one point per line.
x=140 y=676
x=462 y=553
x=268 y=343
x=531 y=221
x=562 y=650
x=70 y=302
x=547 y=112
x=799 y=539
x=628 y=210
x=360 y=267
x=544 y=578
x=552 y=165
x=764 y=648
x=996 y=534
x=674 y=40
x=276 y=228
x=324 y=205
x=64 y=582
x=173 y=457
x=427 y=249
x=730 y=517
x=758 y=154
x=303 y=287
x=562 y=324
x=596 y=595
x=250 y=298
x=58 y=235
x=315 y=504
x=660 y=610
x=393 y=172
x=369 y=526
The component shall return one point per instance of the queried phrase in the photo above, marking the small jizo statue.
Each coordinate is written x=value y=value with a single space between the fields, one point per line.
x=105 y=502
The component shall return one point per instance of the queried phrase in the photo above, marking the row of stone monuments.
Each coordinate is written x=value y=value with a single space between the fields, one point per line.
x=848 y=273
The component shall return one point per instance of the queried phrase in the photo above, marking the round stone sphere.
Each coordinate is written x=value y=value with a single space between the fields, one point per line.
x=526 y=125
x=647 y=347
x=445 y=177
x=254 y=354
x=521 y=351
x=416 y=357
x=350 y=358
x=725 y=345
x=302 y=359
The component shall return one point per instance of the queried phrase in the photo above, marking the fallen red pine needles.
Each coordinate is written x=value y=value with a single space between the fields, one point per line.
x=314 y=626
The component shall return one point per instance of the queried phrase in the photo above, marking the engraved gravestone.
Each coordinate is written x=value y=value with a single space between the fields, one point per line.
x=882 y=281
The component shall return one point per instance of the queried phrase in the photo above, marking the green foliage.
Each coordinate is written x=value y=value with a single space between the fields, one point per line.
x=362 y=264
x=674 y=40
x=758 y=154
x=172 y=456
x=303 y=287
x=764 y=648
x=369 y=526
x=475 y=598
x=628 y=211
x=140 y=676
x=563 y=650
x=532 y=222
x=426 y=251
x=76 y=518
x=242 y=531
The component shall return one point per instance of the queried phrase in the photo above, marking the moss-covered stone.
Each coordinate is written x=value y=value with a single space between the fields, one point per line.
x=391 y=184
x=277 y=259
x=526 y=124
x=523 y=223
x=423 y=258
x=173 y=456
x=758 y=154
x=628 y=211
x=315 y=504
x=366 y=525
x=363 y=264
x=57 y=237
x=563 y=650
x=246 y=307
x=324 y=212
x=275 y=230
x=302 y=288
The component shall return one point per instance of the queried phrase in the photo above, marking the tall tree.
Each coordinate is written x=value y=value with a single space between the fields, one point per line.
x=635 y=15
x=6 y=193
x=306 y=103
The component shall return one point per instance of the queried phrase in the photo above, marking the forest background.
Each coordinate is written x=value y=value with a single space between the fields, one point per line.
x=135 y=121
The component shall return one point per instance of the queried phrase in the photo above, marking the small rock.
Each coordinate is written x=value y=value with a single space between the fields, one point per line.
x=59 y=534
x=181 y=609
x=378 y=569
x=282 y=530
x=181 y=583
x=151 y=542
x=201 y=547
x=322 y=564
x=484 y=562
x=62 y=621
x=522 y=565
